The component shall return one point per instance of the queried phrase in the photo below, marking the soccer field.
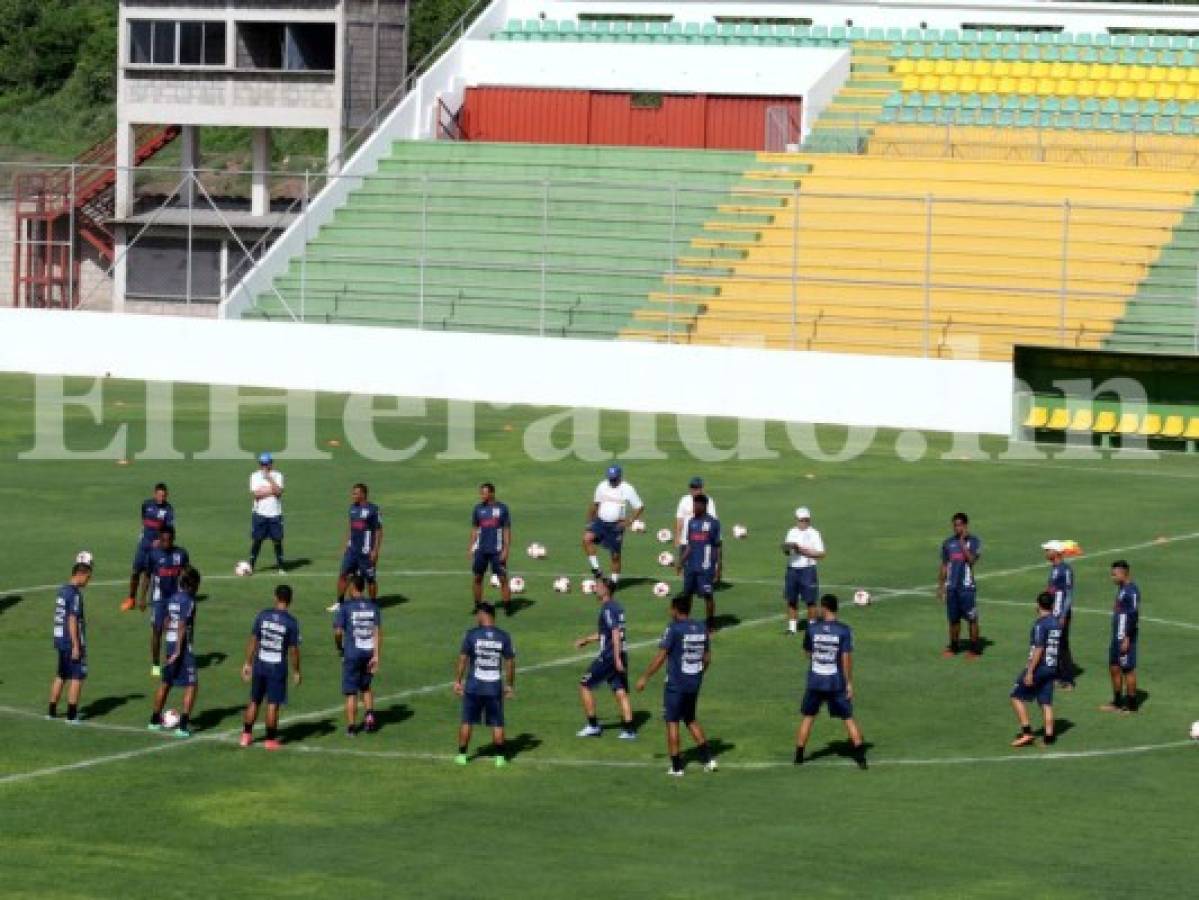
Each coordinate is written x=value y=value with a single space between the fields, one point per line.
x=946 y=809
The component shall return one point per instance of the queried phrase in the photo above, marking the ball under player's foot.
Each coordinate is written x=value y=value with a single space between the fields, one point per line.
x=128 y=604
x=461 y=759
x=1023 y=739
x=245 y=740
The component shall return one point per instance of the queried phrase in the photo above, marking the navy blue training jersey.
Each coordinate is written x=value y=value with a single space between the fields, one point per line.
x=69 y=602
x=1061 y=585
x=611 y=622
x=165 y=568
x=1126 y=612
x=1047 y=634
x=277 y=632
x=703 y=539
x=485 y=650
x=827 y=642
x=960 y=573
x=686 y=644
x=491 y=519
x=179 y=622
x=359 y=621
x=365 y=522
x=154 y=516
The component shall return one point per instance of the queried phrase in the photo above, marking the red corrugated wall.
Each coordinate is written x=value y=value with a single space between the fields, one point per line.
x=538 y=115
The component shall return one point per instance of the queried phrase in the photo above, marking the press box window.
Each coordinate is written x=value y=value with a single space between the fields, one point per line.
x=162 y=43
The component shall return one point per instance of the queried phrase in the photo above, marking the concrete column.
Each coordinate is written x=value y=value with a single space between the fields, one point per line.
x=120 y=270
x=260 y=187
x=189 y=147
x=335 y=147
x=124 y=173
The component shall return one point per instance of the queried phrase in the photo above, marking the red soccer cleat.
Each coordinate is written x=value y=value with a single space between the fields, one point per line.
x=1023 y=740
x=245 y=740
x=128 y=604
x=272 y=745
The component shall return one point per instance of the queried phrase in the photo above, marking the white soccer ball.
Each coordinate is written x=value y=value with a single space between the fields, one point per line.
x=84 y=557
x=536 y=551
x=661 y=589
x=1195 y=731
x=664 y=536
x=587 y=585
x=666 y=558
x=495 y=581
x=516 y=584
x=242 y=569
x=170 y=719
x=637 y=526
x=562 y=585
x=861 y=598
x=740 y=532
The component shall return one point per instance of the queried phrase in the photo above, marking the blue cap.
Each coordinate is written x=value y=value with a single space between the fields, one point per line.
x=265 y=459
x=614 y=472
x=697 y=482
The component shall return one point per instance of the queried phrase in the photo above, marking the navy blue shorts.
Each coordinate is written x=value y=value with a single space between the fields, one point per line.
x=1126 y=661
x=1041 y=690
x=182 y=673
x=482 y=709
x=266 y=527
x=355 y=563
x=838 y=702
x=608 y=535
x=484 y=560
x=961 y=603
x=71 y=670
x=698 y=583
x=268 y=684
x=603 y=671
x=679 y=706
x=141 y=559
x=356 y=675
x=801 y=584
x=158 y=613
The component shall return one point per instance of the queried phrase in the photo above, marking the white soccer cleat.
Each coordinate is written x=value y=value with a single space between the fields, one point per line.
x=710 y=766
x=495 y=581
x=589 y=731
x=332 y=607
x=587 y=586
x=674 y=773
x=628 y=735
x=637 y=526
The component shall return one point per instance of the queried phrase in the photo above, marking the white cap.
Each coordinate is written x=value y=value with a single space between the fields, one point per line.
x=803 y=513
x=1054 y=546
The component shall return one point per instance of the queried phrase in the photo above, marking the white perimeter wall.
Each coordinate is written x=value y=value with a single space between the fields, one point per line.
x=842 y=389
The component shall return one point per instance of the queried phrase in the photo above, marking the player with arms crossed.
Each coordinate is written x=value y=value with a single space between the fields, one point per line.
x=611 y=665
x=70 y=643
x=1040 y=673
x=156 y=512
x=1061 y=586
x=485 y=657
x=829 y=645
x=686 y=651
x=956 y=587
x=167 y=563
x=266 y=517
x=686 y=510
x=179 y=626
x=364 y=540
x=274 y=636
x=358 y=635
x=608 y=517
x=700 y=559
x=804 y=548
x=490 y=539
x=1122 y=654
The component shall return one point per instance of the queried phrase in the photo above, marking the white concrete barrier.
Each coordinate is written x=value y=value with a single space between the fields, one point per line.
x=890 y=392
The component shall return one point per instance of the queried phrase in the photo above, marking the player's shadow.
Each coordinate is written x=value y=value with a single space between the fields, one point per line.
x=207 y=660
x=721 y=585
x=640 y=718
x=1060 y=727
x=1142 y=698
x=99 y=708
x=725 y=620
x=214 y=716
x=632 y=581
x=308 y=728
x=7 y=603
x=517 y=605
x=388 y=600
x=200 y=598
x=513 y=746
x=716 y=746
x=394 y=714
x=984 y=644
x=842 y=749
x=290 y=565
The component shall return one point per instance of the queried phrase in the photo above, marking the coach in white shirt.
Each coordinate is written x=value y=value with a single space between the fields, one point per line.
x=608 y=516
x=266 y=520
x=683 y=515
x=803 y=547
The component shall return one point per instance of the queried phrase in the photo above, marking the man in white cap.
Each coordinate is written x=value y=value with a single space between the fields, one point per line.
x=266 y=520
x=683 y=514
x=803 y=548
x=1061 y=587
x=614 y=506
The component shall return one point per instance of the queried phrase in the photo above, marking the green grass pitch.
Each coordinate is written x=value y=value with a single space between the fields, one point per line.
x=947 y=809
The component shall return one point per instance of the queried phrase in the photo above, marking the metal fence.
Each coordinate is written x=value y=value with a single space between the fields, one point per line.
x=736 y=262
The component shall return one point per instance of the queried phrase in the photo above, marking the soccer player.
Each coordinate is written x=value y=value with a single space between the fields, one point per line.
x=274 y=636
x=1036 y=681
x=956 y=587
x=684 y=512
x=700 y=559
x=611 y=665
x=70 y=642
x=1061 y=586
x=364 y=540
x=358 y=634
x=490 y=539
x=1122 y=654
x=156 y=512
x=179 y=626
x=488 y=653
x=266 y=518
x=829 y=645
x=167 y=562
x=804 y=548
x=686 y=648
x=608 y=516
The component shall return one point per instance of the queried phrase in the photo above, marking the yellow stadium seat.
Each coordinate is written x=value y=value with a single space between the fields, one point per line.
x=968 y=84
x=1046 y=87
x=930 y=83
x=1079 y=71
x=989 y=85
x=1173 y=426
x=1151 y=426
x=981 y=68
x=1178 y=75
x=925 y=67
x=1007 y=86
x=1133 y=73
x=1186 y=91
x=1086 y=88
x=1105 y=89
x=905 y=66
x=942 y=67
x=1064 y=87
x=1037 y=417
x=961 y=67
x=1083 y=420
x=1058 y=420
x=1021 y=69
x=1059 y=70
x=1158 y=73
x=911 y=83
x=1099 y=72
x=1026 y=85
x=1193 y=75
x=1167 y=91
x=1192 y=431
x=1105 y=422
x=1128 y=424
x=949 y=84
x=1125 y=90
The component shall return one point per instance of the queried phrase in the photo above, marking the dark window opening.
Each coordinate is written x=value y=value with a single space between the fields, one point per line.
x=298 y=47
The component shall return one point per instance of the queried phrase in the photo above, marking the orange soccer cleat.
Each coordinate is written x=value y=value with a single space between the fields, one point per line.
x=128 y=604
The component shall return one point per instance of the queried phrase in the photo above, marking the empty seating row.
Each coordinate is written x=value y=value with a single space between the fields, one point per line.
x=1073 y=121
x=1076 y=71
x=1110 y=106
x=1040 y=53
x=1044 y=416
x=673 y=32
x=1062 y=87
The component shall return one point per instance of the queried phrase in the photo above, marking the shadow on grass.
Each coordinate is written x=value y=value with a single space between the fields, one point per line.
x=393 y=715
x=104 y=705
x=214 y=716
x=843 y=749
x=716 y=746
x=513 y=746
x=290 y=565
x=388 y=600
x=725 y=620
x=207 y=660
x=298 y=731
x=7 y=603
x=517 y=605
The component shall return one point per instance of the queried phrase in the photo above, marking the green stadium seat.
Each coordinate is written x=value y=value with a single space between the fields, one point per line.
x=1140 y=42
x=532 y=26
x=1090 y=55
x=1130 y=107
x=937 y=51
x=987 y=118
x=1122 y=124
x=857 y=33
x=969 y=36
x=657 y=29
x=972 y=101
x=1069 y=54
x=973 y=51
x=899 y=51
x=1051 y=105
x=1071 y=105
x=950 y=36
x=907 y=116
x=1171 y=108
x=1090 y=105
x=1105 y=122
x=926 y=117
x=1086 y=121
x=1159 y=41
x=916 y=51
x=1110 y=106
x=1151 y=108
x=894 y=34
x=889 y=115
x=837 y=34
x=951 y=101
x=1030 y=104
x=894 y=101
x=1191 y=108
x=1185 y=127
x=932 y=101
x=991 y=102
x=912 y=35
x=1011 y=102
x=876 y=34
x=913 y=100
